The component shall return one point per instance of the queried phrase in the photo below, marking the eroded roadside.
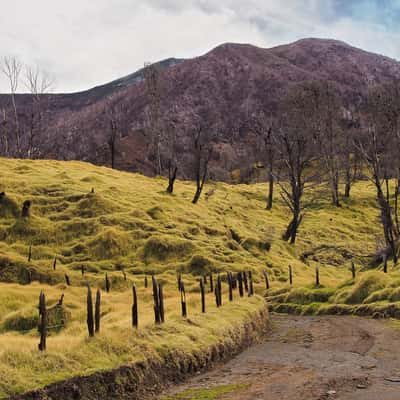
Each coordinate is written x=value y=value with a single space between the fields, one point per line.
x=303 y=358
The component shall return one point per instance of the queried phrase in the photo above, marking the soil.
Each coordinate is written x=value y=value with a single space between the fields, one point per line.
x=304 y=358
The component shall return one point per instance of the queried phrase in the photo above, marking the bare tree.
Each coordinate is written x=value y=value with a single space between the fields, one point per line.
x=262 y=126
x=4 y=133
x=171 y=127
x=351 y=160
x=11 y=68
x=324 y=125
x=379 y=149
x=39 y=83
x=152 y=76
x=295 y=145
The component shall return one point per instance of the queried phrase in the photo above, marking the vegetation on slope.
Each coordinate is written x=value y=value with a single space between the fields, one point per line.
x=129 y=223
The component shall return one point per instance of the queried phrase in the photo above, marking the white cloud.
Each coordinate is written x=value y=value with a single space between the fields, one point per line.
x=86 y=43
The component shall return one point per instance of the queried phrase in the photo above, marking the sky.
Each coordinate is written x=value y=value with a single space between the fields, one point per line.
x=84 y=43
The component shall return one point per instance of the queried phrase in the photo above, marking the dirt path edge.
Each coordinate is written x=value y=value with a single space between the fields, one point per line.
x=144 y=379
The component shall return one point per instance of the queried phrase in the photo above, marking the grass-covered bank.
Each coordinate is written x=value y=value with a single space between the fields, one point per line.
x=125 y=364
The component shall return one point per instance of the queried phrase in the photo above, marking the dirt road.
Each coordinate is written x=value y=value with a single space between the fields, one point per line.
x=307 y=358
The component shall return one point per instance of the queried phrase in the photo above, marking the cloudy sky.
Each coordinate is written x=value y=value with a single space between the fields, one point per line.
x=84 y=43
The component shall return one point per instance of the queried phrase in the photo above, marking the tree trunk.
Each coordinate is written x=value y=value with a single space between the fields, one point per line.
x=270 y=188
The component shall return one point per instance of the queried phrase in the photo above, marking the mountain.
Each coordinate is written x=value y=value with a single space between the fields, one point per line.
x=230 y=81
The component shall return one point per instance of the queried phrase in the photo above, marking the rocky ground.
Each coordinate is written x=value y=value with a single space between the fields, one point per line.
x=314 y=358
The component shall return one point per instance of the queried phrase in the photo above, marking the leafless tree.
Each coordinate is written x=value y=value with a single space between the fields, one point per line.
x=262 y=126
x=39 y=83
x=379 y=149
x=115 y=116
x=171 y=127
x=4 y=133
x=350 y=157
x=152 y=76
x=324 y=125
x=295 y=145
x=11 y=68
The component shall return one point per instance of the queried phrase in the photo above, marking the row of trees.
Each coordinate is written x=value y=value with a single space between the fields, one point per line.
x=20 y=127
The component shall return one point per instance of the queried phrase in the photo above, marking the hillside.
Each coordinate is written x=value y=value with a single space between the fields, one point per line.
x=116 y=222
x=230 y=81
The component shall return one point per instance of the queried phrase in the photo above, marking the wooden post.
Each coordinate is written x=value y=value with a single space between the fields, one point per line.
x=230 y=283
x=211 y=283
x=30 y=253
x=245 y=281
x=83 y=270
x=317 y=276
x=290 y=275
x=55 y=263
x=161 y=300
x=134 y=308
x=97 y=312
x=240 y=283
x=157 y=318
x=178 y=280
x=251 y=284
x=219 y=285
x=146 y=284
x=107 y=284
x=183 y=300
x=42 y=321
x=29 y=276
x=266 y=280
x=353 y=270
x=124 y=273
x=67 y=280
x=205 y=279
x=203 y=296
x=385 y=268
x=89 y=312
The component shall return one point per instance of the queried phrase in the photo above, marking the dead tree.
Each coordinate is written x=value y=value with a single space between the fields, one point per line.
x=262 y=126
x=89 y=312
x=114 y=113
x=11 y=68
x=202 y=151
x=379 y=148
x=39 y=83
x=171 y=127
x=152 y=78
x=42 y=321
x=323 y=111
x=294 y=143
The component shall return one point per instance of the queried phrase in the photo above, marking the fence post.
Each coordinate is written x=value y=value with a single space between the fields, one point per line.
x=30 y=253
x=97 y=311
x=290 y=275
x=43 y=321
x=89 y=311
x=157 y=318
x=385 y=269
x=55 y=263
x=230 y=283
x=161 y=300
x=251 y=286
x=146 y=284
x=317 y=276
x=134 y=308
x=211 y=283
x=183 y=300
x=266 y=280
x=178 y=280
x=107 y=283
x=203 y=296
x=83 y=270
x=240 y=283
x=353 y=270
x=246 y=284
x=219 y=284
x=67 y=280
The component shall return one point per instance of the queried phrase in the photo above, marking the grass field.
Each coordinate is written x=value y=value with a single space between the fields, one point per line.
x=129 y=223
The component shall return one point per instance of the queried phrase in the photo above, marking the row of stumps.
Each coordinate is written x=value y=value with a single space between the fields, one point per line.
x=243 y=281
